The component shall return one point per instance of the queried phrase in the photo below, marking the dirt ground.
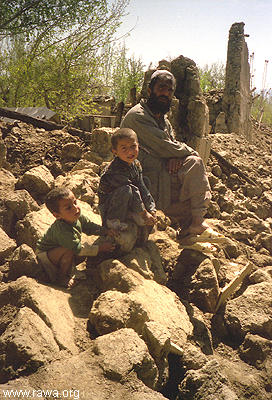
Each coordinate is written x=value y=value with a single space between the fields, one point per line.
x=27 y=147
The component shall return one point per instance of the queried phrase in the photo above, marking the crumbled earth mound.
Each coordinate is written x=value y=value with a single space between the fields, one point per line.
x=142 y=325
x=29 y=147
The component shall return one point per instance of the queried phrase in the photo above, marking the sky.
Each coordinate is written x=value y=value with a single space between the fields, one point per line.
x=199 y=30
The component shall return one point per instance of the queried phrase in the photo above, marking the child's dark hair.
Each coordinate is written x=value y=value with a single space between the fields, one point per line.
x=53 y=197
x=123 y=133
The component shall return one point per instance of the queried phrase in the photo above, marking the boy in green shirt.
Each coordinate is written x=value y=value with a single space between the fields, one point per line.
x=62 y=242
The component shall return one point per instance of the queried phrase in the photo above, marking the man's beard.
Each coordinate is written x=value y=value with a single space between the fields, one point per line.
x=156 y=105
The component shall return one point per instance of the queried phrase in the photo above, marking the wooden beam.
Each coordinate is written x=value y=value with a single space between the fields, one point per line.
x=42 y=123
x=230 y=288
x=232 y=167
x=175 y=349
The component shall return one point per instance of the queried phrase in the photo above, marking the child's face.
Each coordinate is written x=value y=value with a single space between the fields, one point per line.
x=127 y=150
x=69 y=211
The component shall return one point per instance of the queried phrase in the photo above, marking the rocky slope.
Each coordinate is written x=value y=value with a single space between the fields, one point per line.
x=145 y=325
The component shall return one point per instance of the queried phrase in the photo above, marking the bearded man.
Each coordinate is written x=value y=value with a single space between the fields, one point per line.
x=178 y=180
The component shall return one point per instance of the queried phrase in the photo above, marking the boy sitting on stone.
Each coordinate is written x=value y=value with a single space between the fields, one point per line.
x=62 y=242
x=122 y=192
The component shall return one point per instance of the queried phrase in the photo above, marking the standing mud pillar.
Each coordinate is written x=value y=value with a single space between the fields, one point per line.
x=192 y=120
x=237 y=98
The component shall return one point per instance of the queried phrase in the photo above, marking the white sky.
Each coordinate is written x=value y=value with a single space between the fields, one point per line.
x=199 y=29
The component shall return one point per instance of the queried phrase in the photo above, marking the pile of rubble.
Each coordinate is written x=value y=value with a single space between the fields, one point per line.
x=161 y=321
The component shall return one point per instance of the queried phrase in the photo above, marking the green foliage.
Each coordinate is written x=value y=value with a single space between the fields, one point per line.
x=262 y=107
x=22 y=16
x=212 y=76
x=128 y=72
x=59 y=68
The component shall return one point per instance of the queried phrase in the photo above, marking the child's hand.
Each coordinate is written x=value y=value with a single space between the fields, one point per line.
x=106 y=247
x=149 y=219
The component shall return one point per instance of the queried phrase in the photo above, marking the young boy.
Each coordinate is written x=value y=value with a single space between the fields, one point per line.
x=122 y=192
x=57 y=248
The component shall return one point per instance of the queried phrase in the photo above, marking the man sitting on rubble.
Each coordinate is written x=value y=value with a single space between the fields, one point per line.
x=179 y=182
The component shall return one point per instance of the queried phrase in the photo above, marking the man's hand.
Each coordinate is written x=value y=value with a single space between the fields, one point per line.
x=174 y=164
x=149 y=219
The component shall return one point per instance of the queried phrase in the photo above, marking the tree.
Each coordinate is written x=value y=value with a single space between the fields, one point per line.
x=22 y=16
x=59 y=63
x=262 y=107
x=128 y=72
x=212 y=76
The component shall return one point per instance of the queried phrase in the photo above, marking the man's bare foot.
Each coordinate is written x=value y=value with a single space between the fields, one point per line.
x=198 y=226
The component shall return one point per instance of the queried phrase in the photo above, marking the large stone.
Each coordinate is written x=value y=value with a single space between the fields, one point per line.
x=147 y=261
x=158 y=340
x=160 y=303
x=206 y=383
x=7 y=245
x=251 y=312
x=19 y=384
x=101 y=142
x=33 y=226
x=38 y=181
x=26 y=344
x=241 y=378
x=257 y=351
x=114 y=310
x=7 y=186
x=196 y=280
x=204 y=290
x=79 y=181
x=7 y=181
x=265 y=240
x=123 y=351
x=24 y=262
x=21 y=203
x=50 y=304
x=167 y=246
x=193 y=358
x=81 y=377
x=71 y=151
x=83 y=164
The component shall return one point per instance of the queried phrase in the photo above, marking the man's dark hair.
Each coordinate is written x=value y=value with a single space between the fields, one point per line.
x=123 y=133
x=54 y=196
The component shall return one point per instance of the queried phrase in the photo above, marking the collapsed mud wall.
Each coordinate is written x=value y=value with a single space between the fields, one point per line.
x=237 y=98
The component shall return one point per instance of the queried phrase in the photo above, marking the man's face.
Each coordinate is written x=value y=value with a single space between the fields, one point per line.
x=161 y=95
